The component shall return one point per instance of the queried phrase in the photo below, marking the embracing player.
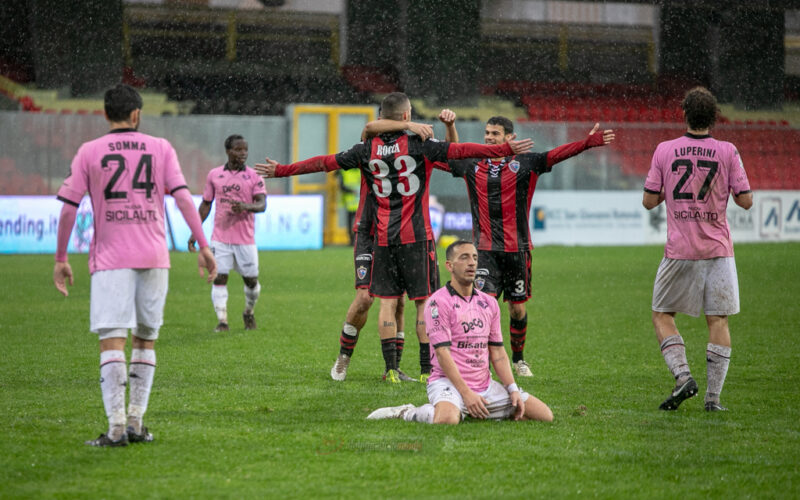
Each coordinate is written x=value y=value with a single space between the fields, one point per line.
x=500 y=192
x=397 y=167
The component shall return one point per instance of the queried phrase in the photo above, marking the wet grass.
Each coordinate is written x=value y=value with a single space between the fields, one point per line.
x=255 y=414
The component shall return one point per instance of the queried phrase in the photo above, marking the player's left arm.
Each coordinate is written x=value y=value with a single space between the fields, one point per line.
x=593 y=140
x=259 y=204
x=502 y=367
x=448 y=117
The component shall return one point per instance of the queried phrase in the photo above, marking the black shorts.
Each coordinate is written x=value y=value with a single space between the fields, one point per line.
x=504 y=273
x=362 y=259
x=410 y=268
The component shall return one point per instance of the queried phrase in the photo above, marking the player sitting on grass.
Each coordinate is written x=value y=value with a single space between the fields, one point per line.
x=463 y=325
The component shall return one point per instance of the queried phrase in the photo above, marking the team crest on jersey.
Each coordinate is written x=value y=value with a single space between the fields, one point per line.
x=361 y=271
x=434 y=311
x=514 y=166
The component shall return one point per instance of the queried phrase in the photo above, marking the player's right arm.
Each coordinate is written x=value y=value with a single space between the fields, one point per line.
x=352 y=158
x=271 y=168
x=62 y=272
x=475 y=403
x=654 y=183
x=651 y=200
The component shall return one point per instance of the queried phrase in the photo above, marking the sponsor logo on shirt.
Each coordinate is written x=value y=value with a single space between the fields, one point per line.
x=465 y=344
x=232 y=187
x=471 y=325
x=695 y=216
x=364 y=256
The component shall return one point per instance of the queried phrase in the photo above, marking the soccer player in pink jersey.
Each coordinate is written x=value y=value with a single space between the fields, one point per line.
x=240 y=193
x=463 y=325
x=127 y=174
x=695 y=175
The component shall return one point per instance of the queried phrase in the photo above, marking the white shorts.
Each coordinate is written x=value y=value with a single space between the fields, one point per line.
x=499 y=400
x=127 y=298
x=241 y=258
x=692 y=286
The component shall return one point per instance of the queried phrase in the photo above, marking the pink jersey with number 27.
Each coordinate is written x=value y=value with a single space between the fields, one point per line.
x=127 y=174
x=697 y=175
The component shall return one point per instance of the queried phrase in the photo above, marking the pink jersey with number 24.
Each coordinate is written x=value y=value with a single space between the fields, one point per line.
x=697 y=175
x=127 y=174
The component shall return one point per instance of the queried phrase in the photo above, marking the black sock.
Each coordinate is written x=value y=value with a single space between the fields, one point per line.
x=347 y=343
x=518 y=330
x=425 y=357
x=389 y=348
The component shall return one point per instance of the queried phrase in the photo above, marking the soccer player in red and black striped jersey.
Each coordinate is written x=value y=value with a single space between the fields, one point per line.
x=363 y=242
x=500 y=192
x=397 y=167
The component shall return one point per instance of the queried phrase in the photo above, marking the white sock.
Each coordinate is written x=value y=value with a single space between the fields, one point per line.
x=219 y=297
x=250 y=297
x=143 y=366
x=423 y=414
x=674 y=352
x=718 y=358
x=113 y=380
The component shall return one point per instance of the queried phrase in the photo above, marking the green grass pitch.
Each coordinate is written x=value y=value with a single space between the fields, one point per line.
x=255 y=414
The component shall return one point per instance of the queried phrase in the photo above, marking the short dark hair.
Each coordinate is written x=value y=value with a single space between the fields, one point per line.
x=700 y=107
x=393 y=105
x=508 y=125
x=230 y=140
x=451 y=248
x=120 y=101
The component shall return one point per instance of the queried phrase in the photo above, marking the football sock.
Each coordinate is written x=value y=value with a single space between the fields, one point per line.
x=674 y=352
x=250 y=297
x=389 y=349
x=718 y=358
x=518 y=329
x=348 y=339
x=143 y=366
x=425 y=357
x=423 y=414
x=401 y=342
x=112 y=385
x=219 y=297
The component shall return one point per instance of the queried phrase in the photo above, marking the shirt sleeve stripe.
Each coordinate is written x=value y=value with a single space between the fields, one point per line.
x=497 y=344
x=651 y=191
x=744 y=192
x=442 y=344
x=70 y=202
x=179 y=187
